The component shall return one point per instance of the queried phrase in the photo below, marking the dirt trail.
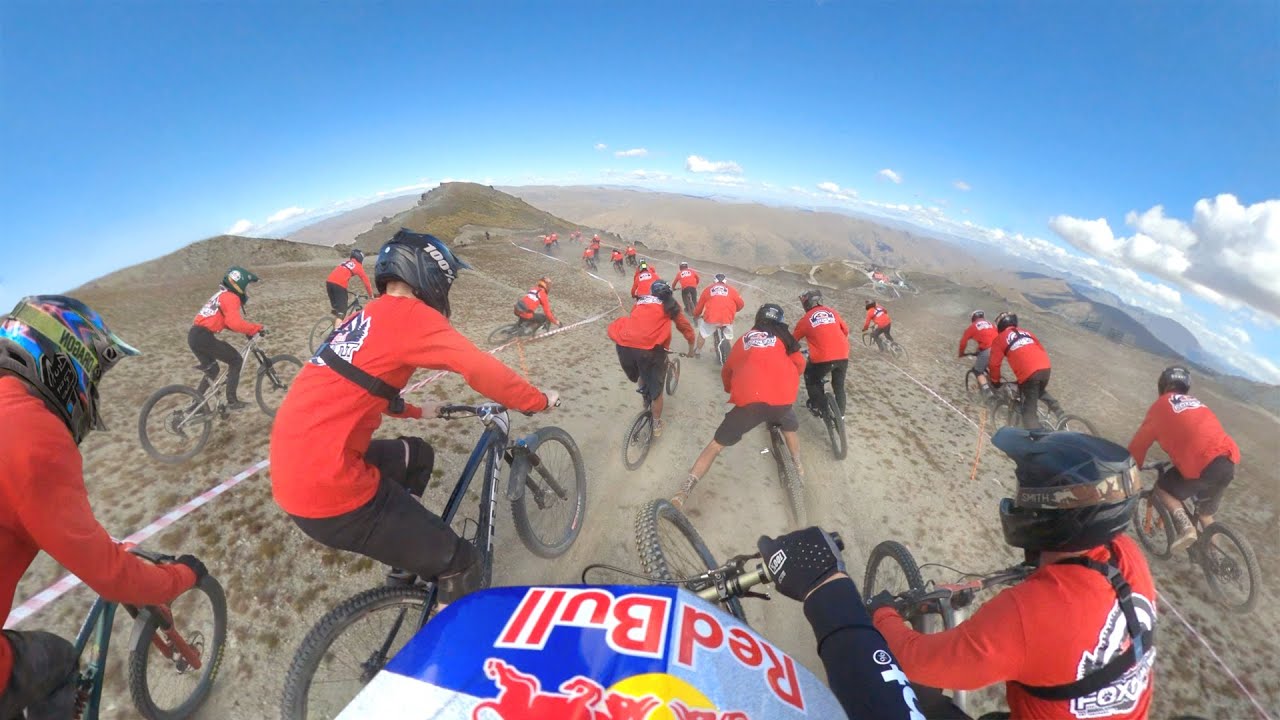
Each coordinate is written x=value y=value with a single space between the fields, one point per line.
x=907 y=476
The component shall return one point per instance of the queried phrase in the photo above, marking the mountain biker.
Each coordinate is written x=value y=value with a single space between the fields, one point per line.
x=54 y=351
x=222 y=312
x=547 y=242
x=1075 y=639
x=616 y=258
x=336 y=284
x=982 y=332
x=643 y=338
x=595 y=243
x=589 y=256
x=644 y=278
x=1029 y=362
x=762 y=377
x=528 y=305
x=716 y=308
x=631 y=253
x=876 y=313
x=828 y=338
x=350 y=492
x=687 y=280
x=1204 y=457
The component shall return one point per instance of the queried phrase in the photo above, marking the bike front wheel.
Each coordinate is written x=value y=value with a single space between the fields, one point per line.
x=673 y=375
x=835 y=428
x=320 y=332
x=1077 y=424
x=503 y=334
x=791 y=482
x=175 y=424
x=1153 y=525
x=555 y=484
x=972 y=387
x=672 y=551
x=273 y=383
x=898 y=352
x=1231 y=567
x=350 y=645
x=172 y=669
x=635 y=444
x=891 y=567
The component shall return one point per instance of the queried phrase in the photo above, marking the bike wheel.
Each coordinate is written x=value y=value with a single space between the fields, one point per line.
x=556 y=486
x=635 y=444
x=671 y=550
x=320 y=332
x=891 y=567
x=791 y=481
x=350 y=644
x=503 y=334
x=722 y=350
x=898 y=352
x=971 y=385
x=1153 y=525
x=1075 y=423
x=673 y=375
x=1231 y=568
x=835 y=428
x=273 y=383
x=175 y=424
x=165 y=683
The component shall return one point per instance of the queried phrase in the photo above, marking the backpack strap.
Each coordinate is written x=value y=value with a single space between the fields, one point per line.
x=373 y=385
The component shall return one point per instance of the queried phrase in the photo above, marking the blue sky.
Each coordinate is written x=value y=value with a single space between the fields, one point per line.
x=131 y=128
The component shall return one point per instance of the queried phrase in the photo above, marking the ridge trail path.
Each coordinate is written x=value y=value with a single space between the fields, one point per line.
x=907 y=476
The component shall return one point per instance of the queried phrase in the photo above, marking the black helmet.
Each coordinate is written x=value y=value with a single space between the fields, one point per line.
x=1006 y=320
x=976 y=314
x=720 y=277
x=421 y=261
x=357 y=255
x=810 y=299
x=660 y=289
x=769 y=312
x=870 y=304
x=1175 y=378
x=1075 y=491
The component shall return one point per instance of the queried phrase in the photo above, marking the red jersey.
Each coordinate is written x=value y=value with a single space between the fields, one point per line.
x=223 y=312
x=879 y=316
x=759 y=370
x=531 y=301
x=1189 y=433
x=980 y=331
x=718 y=304
x=342 y=274
x=1025 y=353
x=616 y=256
x=631 y=250
x=324 y=425
x=44 y=506
x=648 y=326
x=687 y=278
x=1050 y=629
x=589 y=252
x=643 y=281
x=827 y=334
x=547 y=239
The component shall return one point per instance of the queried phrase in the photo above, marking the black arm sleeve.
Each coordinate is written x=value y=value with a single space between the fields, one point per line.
x=861 y=671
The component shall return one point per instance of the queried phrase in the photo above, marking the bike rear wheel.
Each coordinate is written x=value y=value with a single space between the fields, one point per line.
x=898 y=352
x=673 y=375
x=175 y=424
x=971 y=385
x=556 y=486
x=672 y=550
x=891 y=567
x=790 y=477
x=1231 y=567
x=273 y=383
x=1153 y=525
x=350 y=644
x=722 y=348
x=635 y=444
x=1077 y=424
x=320 y=333
x=835 y=428
x=504 y=333
x=164 y=683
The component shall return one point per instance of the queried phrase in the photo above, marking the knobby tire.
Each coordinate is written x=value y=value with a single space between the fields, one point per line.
x=656 y=560
x=1251 y=573
x=876 y=578
x=143 y=654
x=199 y=428
x=276 y=375
x=556 y=489
x=835 y=428
x=640 y=436
x=1153 y=525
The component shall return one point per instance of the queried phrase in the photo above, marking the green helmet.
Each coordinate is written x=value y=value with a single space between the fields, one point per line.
x=237 y=280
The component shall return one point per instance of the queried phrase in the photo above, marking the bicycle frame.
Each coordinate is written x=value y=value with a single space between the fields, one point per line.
x=250 y=348
x=96 y=629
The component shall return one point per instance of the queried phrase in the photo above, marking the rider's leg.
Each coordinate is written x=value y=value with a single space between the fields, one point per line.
x=1171 y=490
x=1046 y=397
x=839 y=369
x=1031 y=389
x=980 y=364
x=199 y=340
x=655 y=377
x=1214 y=480
x=877 y=336
x=338 y=302
x=888 y=332
x=41 y=679
x=223 y=351
x=813 y=375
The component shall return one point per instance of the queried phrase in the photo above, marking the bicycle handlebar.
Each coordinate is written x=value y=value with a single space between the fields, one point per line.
x=740 y=581
x=454 y=412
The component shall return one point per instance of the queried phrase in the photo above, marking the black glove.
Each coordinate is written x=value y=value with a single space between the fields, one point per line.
x=800 y=561
x=884 y=598
x=194 y=563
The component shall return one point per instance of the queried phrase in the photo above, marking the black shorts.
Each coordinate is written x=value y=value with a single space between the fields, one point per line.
x=337 y=298
x=1207 y=489
x=648 y=367
x=743 y=419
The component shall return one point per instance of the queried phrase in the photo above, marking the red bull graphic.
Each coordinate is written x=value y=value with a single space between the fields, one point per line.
x=520 y=697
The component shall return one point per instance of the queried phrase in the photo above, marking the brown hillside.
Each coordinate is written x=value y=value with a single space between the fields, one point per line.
x=212 y=256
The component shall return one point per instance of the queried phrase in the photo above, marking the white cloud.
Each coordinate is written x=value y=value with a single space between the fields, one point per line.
x=834 y=190
x=285 y=214
x=240 y=227
x=1237 y=334
x=699 y=164
x=828 y=186
x=601 y=146
x=633 y=152
x=962 y=186
x=728 y=180
x=890 y=175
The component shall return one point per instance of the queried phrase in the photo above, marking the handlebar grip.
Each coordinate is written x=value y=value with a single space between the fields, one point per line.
x=839 y=540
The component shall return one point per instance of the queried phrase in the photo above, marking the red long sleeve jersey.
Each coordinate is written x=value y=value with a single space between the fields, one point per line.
x=616 y=256
x=44 y=506
x=979 y=331
x=879 y=316
x=759 y=370
x=718 y=304
x=1050 y=629
x=1188 y=432
x=826 y=332
x=324 y=425
x=531 y=301
x=687 y=278
x=648 y=326
x=342 y=274
x=222 y=312
x=1025 y=354
x=643 y=282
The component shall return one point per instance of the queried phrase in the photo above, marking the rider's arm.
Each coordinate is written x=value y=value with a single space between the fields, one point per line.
x=737 y=299
x=997 y=358
x=546 y=308
x=848 y=644
x=843 y=328
x=802 y=328
x=964 y=340
x=988 y=648
x=797 y=359
x=364 y=278
x=229 y=306
x=1145 y=435
x=686 y=329
x=702 y=303
x=867 y=323
x=436 y=344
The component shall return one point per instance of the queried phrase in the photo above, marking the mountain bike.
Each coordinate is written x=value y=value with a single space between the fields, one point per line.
x=722 y=345
x=1227 y=559
x=174 y=651
x=590 y=263
x=885 y=344
x=631 y=260
x=690 y=297
x=829 y=411
x=972 y=381
x=518 y=329
x=789 y=476
x=639 y=435
x=176 y=421
x=1006 y=410
x=324 y=327
x=891 y=567
x=617 y=266
x=354 y=640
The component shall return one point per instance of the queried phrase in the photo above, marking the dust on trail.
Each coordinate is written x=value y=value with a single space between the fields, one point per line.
x=907 y=476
